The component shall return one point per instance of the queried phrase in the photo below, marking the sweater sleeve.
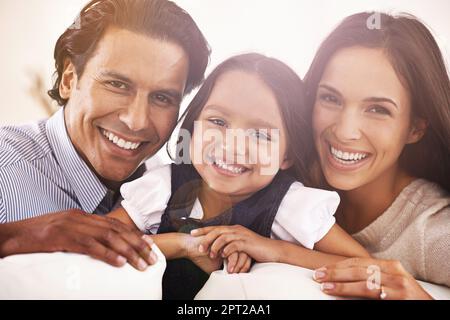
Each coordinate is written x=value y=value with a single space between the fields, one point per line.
x=437 y=247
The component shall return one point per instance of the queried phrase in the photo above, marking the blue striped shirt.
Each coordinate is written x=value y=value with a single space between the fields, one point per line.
x=41 y=172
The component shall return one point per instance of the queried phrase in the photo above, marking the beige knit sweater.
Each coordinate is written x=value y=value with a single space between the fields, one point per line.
x=415 y=230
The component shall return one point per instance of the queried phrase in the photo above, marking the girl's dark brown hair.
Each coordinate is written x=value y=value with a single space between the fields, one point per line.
x=418 y=62
x=289 y=91
x=160 y=19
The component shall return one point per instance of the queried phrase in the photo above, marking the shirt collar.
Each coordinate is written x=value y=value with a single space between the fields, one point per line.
x=89 y=190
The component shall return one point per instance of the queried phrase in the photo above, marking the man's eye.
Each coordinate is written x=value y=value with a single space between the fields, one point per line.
x=377 y=109
x=162 y=100
x=118 y=84
x=217 y=122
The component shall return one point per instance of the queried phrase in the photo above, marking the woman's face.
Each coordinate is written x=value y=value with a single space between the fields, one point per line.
x=239 y=140
x=361 y=118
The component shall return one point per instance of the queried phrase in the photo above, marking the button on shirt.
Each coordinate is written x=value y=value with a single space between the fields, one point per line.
x=41 y=172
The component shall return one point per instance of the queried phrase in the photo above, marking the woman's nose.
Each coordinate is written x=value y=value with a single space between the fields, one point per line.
x=347 y=126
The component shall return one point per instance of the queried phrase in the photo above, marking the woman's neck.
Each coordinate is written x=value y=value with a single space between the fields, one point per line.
x=214 y=203
x=363 y=205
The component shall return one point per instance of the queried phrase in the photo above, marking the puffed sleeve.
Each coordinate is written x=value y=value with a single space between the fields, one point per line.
x=305 y=215
x=146 y=198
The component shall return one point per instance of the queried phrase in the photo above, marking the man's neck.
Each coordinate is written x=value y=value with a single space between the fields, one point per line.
x=361 y=206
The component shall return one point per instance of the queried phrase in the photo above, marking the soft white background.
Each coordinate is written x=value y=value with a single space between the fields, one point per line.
x=290 y=30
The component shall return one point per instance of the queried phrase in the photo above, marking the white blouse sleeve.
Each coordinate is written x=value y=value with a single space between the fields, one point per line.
x=305 y=215
x=146 y=198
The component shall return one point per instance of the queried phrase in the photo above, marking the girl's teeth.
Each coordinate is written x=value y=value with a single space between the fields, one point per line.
x=231 y=168
x=127 y=145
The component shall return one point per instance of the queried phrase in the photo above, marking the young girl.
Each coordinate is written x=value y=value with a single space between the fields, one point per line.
x=249 y=185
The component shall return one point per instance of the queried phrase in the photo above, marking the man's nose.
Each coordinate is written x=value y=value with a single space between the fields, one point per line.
x=136 y=115
x=348 y=125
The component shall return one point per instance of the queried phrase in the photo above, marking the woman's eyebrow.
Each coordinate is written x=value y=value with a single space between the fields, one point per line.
x=330 y=88
x=381 y=99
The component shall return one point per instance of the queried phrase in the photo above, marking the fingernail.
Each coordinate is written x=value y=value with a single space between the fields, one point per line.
x=319 y=273
x=153 y=257
x=121 y=260
x=142 y=265
x=193 y=232
x=211 y=255
x=201 y=249
x=326 y=286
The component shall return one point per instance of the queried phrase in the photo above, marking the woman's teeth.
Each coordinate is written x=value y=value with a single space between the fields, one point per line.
x=229 y=167
x=127 y=145
x=347 y=157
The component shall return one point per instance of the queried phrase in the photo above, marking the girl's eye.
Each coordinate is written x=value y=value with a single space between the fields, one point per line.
x=217 y=122
x=118 y=84
x=379 y=110
x=329 y=99
x=262 y=135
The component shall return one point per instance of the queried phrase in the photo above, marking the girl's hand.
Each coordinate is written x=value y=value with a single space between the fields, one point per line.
x=238 y=262
x=369 y=278
x=225 y=240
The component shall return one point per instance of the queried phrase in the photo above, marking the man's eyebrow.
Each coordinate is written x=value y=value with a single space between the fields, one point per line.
x=381 y=99
x=116 y=75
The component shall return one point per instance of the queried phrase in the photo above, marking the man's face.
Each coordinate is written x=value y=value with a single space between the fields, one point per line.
x=125 y=105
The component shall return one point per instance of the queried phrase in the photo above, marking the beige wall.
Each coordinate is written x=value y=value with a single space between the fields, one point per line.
x=287 y=29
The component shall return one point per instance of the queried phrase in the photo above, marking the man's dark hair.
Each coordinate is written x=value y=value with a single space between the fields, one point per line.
x=159 y=19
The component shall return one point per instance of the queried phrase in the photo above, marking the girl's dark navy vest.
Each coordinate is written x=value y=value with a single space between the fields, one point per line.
x=182 y=278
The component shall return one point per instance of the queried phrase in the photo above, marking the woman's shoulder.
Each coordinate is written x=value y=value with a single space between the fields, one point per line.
x=424 y=195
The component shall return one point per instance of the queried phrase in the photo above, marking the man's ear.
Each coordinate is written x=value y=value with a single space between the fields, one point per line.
x=68 y=80
x=417 y=131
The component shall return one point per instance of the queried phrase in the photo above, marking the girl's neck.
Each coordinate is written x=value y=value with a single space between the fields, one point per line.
x=214 y=203
x=363 y=205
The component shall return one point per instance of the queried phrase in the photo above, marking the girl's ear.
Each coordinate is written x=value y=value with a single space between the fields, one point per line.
x=286 y=164
x=68 y=80
x=417 y=131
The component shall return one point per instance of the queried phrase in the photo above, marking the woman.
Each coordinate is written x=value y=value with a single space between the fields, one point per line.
x=380 y=104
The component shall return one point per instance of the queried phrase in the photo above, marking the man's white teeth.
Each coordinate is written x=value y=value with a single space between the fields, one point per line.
x=229 y=167
x=347 y=157
x=127 y=145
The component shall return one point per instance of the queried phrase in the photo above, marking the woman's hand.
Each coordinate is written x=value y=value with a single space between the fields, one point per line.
x=226 y=240
x=369 y=278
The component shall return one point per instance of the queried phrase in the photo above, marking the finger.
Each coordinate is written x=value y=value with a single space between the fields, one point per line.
x=388 y=266
x=220 y=242
x=350 y=289
x=115 y=242
x=209 y=238
x=247 y=265
x=202 y=231
x=351 y=274
x=91 y=247
x=242 y=258
x=142 y=245
x=232 y=247
x=232 y=259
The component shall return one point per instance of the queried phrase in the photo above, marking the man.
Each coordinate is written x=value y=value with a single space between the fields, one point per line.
x=122 y=70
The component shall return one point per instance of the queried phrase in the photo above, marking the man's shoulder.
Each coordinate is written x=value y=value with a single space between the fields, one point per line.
x=23 y=143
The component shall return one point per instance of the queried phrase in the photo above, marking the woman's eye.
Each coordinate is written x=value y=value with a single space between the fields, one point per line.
x=379 y=110
x=329 y=99
x=217 y=122
x=118 y=85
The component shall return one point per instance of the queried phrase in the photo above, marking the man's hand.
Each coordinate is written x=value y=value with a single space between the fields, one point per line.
x=102 y=238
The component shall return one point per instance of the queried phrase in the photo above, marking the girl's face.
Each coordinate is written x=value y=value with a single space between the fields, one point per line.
x=239 y=136
x=361 y=119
